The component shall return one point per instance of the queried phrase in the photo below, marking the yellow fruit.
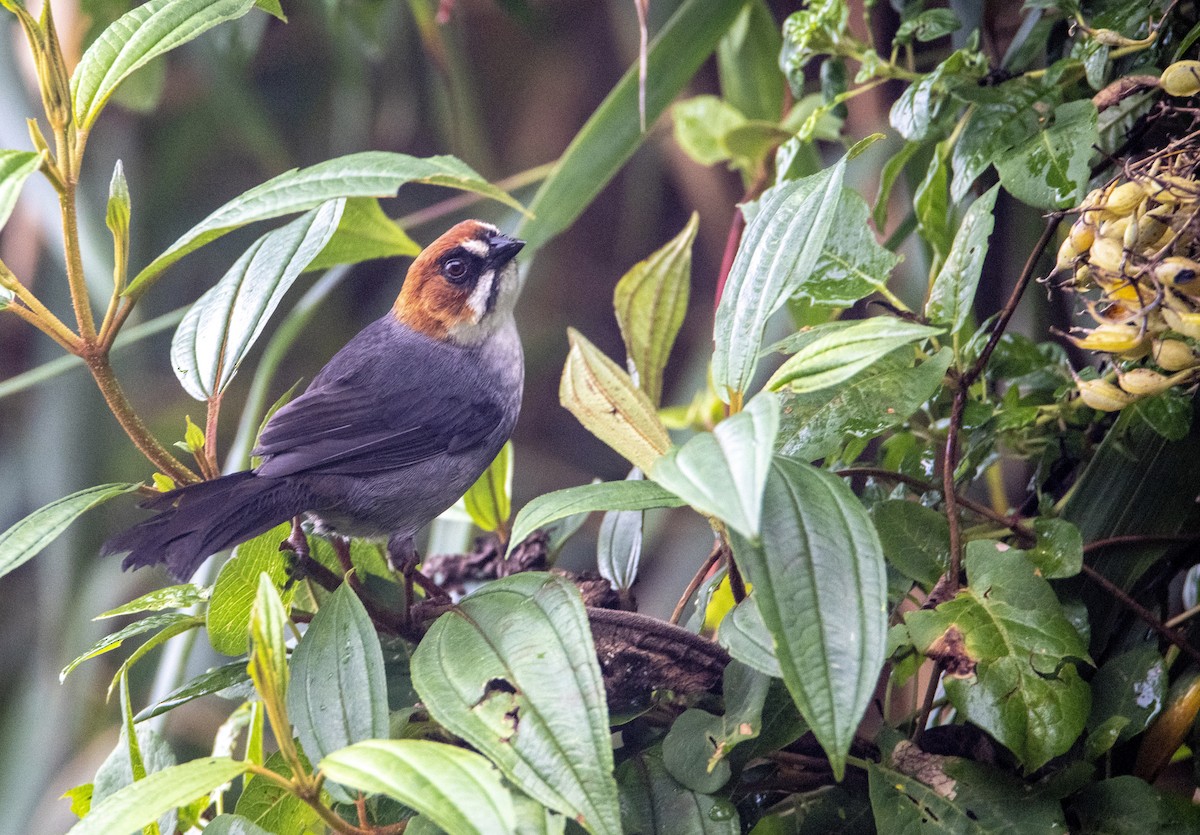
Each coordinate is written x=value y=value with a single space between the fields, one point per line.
x=1081 y=236
x=1103 y=396
x=1183 y=274
x=1187 y=324
x=1173 y=355
x=1171 y=189
x=1181 y=78
x=1067 y=254
x=1107 y=254
x=1144 y=382
x=1124 y=198
x=1112 y=339
x=1114 y=227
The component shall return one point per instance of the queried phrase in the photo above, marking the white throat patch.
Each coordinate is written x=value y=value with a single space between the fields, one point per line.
x=483 y=290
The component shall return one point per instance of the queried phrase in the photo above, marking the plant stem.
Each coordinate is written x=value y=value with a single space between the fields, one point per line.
x=697 y=579
x=98 y=363
x=74 y=260
x=209 y=465
x=39 y=316
x=308 y=790
x=1142 y=612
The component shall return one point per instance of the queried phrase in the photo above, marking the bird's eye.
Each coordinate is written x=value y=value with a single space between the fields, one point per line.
x=455 y=269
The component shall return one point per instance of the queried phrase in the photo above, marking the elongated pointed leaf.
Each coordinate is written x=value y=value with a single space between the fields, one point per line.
x=619 y=545
x=113 y=641
x=489 y=499
x=513 y=671
x=852 y=264
x=170 y=597
x=604 y=399
x=1050 y=170
x=613 y=133
x=338 y=693
x=365 y=174
x=781 y=245
x=26 y=539
x=748 y=63
x=228 y=615
x=745 y=635
x=834 y=355
x=820 y=584
x=142 y=802
x=207 y=683
x=609 y=495
x=653 y=802
x=458 y=790
x=363 y=233
x=953 y=291
x=723 y=473
x=1009 y=649
x=135 y=39
x=15 y=168
x=221 y=327
x=268 y=648
x=650 y=301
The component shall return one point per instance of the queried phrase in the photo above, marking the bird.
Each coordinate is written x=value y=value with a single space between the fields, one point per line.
x=390 y=432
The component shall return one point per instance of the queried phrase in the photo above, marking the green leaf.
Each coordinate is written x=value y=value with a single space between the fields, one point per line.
x=690 y=750
x=268 y=665
x=613 y=133
x=233 y=825
x=142 y=802
x=1010 y=652
x=653 y=802
x=1169 y=414
x=915 y=539
x=892 y=169
x=1128 y=806
x=880 y=397
x=80 y=798
x=363 y=233
x=852 y=264
x=1058 y=551
x=993 y=130
x=113 y=641
x=819 y=580
x=338 y=695
x=513 y=671
x=1133 y=687
x=365 y=174
x=116 y=215
x=222 y=326
x=26 y=539
x=833 y=353
x=953 y=292
x=233 y=593
x=701 y=124
x=458 y=790
x=748 y=65
x=170 y=597
x=1050 y=170
x=586 y=498
x=269 y=805
x=925 y=108
x=744 y=633
x=931 y=205
x=489 y=500
x=650 y=301
x=137 y=38
x=745 y=692
x=604 y=399
x=619 y=545
x=272 y=7
x=929 y=25
x=781 y=245
x=207 y=683
x=723 y=473
x=15 y=168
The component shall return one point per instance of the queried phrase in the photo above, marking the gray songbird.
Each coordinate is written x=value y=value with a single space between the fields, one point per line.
x=398 y=424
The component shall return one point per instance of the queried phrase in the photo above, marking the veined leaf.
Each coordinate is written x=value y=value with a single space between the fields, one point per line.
x=953 y=291
x=852 y=264
x=820 y=583
x=489 y=499
x=653 y=801
x=613 y=132
x=604 y=399
x=744 y=634
x=363 y=233
x=723 y=473
x=221 y=327
x=111 y=642
x=748 y=64
x=268 y=648
x=338 y=693
x=143 y=802
x=207 y=683
x=513 y=671
x=830 y=355
x=619 y=545
x=1050 y=169
x=170 y=597
x=650 y=301
x=233 y=594
x=15 y=168
x=457 y=789
x=26 y=539
x=781 y=245
x=365 y=174
x=586 y=498
x=701 y=124
x=135 y=39
x=1009 y=652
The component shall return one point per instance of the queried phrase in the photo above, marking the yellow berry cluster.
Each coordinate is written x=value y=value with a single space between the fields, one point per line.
x=1134 y=250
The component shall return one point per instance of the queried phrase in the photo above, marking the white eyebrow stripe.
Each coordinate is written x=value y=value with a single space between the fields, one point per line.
x=475 y=247
x=478 y=299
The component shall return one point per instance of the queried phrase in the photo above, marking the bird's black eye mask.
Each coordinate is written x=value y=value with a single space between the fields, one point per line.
x=460 y=267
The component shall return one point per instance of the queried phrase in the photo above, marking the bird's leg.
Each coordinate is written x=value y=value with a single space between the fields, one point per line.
x=341 y=547
x=403 y=559
x=302 y=564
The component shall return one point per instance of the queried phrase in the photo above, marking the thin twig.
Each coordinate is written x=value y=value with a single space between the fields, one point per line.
x=1142 y=612
x=927 y=706
x=963 y=385
x=1140 y=539
x=705 y=567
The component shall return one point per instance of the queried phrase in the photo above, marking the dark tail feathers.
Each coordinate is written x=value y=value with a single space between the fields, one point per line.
x=197 y=521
